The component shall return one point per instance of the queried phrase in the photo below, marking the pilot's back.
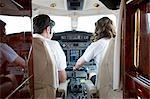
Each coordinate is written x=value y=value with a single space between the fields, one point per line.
x=58 y=52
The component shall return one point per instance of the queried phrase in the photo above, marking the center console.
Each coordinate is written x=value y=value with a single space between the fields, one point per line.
x=74 y=44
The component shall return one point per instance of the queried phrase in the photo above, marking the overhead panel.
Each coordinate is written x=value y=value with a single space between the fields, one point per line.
x=75 y=4
x=111 y=4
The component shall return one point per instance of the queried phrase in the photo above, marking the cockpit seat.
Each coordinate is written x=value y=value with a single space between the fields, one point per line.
x=103 y=87
x=46 y=84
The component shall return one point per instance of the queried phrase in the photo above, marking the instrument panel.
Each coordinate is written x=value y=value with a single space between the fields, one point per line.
x=74 y=43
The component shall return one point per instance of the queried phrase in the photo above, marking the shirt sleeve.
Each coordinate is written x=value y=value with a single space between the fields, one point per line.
x=9 y=53
x=89 y=53
x=93 y=50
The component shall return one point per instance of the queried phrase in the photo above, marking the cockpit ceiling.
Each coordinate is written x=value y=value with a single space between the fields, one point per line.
x=15 y=7
x=58 y=7
x=74 y=7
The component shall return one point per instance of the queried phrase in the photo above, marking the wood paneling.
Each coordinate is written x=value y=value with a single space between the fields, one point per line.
x=20 y=42
x=134 y=87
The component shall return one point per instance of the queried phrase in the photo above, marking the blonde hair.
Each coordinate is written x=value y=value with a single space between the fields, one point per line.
x=103 y=29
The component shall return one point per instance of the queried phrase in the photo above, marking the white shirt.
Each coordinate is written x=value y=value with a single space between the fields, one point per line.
x=7 y=54
x=95 y=51
x=59 y=55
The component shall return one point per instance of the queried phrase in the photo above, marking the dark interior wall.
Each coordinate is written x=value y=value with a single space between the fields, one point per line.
x=16 y=7
x=136 y=78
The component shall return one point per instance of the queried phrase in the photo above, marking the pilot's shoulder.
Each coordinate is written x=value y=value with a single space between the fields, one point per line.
x=53 y=42
x=4 y=46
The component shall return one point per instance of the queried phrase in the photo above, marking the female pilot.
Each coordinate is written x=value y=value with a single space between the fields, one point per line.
x=104 y=31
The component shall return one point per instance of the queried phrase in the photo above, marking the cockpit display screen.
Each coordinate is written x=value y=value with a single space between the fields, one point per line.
x=74 y=55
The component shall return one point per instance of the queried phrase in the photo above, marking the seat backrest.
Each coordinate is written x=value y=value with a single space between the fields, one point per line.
x=105 y=72
x=45 y=71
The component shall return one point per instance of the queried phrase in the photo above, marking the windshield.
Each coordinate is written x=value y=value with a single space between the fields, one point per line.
x=85 y=23
x=62 y=23
x=16 y=24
